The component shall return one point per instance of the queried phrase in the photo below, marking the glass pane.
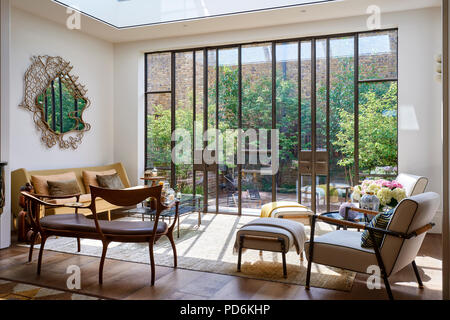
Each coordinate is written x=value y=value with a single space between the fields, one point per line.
x=159 y=71
x=199 y=94
x=378 y=55
x=212 y=104
x=256 y=115
x=305 y=115
x=321 y=95
x=228 y=119
x=378 y=141
x=321 y=126
x=341 y=159
x=305 y=123
x=287 y=120
x=159 y=154
x=184 y=116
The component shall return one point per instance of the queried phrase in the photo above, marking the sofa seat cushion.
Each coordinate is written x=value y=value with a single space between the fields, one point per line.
x=342 y=249
x=77 y=222
x=40 y=182
x=84 y=198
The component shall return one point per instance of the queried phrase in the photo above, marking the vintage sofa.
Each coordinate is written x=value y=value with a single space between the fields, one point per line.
x=21 y=177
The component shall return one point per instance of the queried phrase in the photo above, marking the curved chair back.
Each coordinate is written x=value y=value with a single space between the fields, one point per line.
x=411 y=214
x=126 y=198
x=413 y=185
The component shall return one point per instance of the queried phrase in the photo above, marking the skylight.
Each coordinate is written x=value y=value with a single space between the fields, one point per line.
x=133 y=13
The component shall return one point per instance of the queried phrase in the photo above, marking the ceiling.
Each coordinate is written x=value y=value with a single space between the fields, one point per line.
x=199 y=23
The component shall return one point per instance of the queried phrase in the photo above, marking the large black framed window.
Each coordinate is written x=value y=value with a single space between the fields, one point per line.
x=334 y=100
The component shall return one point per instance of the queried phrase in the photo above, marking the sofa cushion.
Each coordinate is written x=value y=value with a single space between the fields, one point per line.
x=381 y=221
x=63 y=188
x=84 y=198
x=90 y=178
x=110 y=181
x=40 y=182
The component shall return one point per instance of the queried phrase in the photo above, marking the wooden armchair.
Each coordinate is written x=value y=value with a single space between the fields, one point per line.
x=402 y=241
x=78 y=226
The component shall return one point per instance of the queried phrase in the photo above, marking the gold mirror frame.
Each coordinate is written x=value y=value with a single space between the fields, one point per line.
x=43 y=70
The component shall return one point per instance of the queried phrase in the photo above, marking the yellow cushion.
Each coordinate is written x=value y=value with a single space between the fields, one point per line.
x=40 y=182
x=90 y=178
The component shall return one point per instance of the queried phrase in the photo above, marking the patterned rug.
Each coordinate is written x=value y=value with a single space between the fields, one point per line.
x=19 y=291
x=210 y=249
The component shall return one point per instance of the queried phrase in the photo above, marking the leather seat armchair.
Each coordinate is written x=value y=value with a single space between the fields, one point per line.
x=402 y=240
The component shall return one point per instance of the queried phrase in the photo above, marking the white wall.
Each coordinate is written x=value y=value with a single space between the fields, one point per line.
x=93 y=63
x=419 y=94
x=5 y=218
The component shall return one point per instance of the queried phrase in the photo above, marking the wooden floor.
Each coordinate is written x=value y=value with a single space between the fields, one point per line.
x=126 y=280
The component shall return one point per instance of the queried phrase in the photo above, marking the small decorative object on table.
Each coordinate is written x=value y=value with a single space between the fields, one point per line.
x=388 y=194
x=369 y=201
x=351 y=215
x=154 y=172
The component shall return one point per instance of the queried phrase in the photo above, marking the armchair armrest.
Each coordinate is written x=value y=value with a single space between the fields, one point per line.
x=344 y=223
x=421 y=230
x=360 y=226
x=42 y=196
x=365 y=211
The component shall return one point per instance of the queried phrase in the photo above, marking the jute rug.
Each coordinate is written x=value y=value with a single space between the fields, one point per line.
x=210 y=249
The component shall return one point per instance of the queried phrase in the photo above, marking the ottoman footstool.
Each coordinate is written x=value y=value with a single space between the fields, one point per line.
x=268 y=234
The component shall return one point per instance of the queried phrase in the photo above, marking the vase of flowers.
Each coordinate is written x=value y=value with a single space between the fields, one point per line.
x=389 y=193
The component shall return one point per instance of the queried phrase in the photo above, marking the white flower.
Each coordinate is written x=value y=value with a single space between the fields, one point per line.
x=356 y=193
x=385 y=196
x=373 y=188
x=399 y=194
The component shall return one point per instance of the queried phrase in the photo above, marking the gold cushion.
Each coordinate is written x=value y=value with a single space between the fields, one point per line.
x=63 y=188
x=90 y=178
x=40 y=182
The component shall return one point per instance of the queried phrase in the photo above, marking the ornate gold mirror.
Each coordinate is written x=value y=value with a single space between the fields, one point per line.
x=57 y=101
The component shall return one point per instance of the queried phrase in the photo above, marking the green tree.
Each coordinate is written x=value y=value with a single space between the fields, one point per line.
x=377 y=130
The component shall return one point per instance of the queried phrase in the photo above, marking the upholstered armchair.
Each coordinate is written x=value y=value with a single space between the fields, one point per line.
x=402 y=240
x=413 y=185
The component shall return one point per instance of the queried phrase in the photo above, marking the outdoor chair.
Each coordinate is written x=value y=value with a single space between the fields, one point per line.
x=79 y=227
x=402 y=240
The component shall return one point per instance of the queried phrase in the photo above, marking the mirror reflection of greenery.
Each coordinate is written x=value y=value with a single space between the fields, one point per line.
x=377 y=120
x=72 y=106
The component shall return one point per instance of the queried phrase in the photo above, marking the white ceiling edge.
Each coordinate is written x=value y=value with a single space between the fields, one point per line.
x=325 y=11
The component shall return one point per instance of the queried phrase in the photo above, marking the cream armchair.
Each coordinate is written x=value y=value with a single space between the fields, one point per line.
x=413 y=185
x=403 y=239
